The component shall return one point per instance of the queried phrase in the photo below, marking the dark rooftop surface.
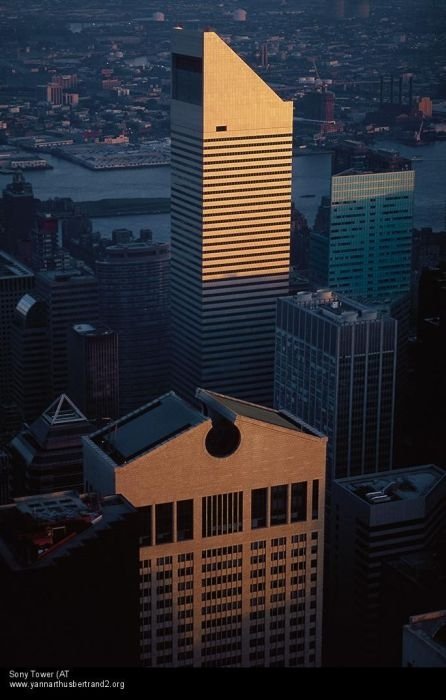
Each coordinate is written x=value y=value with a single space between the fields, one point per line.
x=261 y=413
x=152 y=424
x=35 y=529
x=9 y=267
x=431 y=628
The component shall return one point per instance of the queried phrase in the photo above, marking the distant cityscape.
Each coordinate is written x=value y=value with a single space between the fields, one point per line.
x=222 y=336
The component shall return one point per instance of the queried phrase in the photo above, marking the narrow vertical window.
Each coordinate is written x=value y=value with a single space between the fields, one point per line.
x=299 y=502
x=145 y=525
x=258 y=508
x=164 y=523
x=278 y=504
x=315 y=500
x=185 y=520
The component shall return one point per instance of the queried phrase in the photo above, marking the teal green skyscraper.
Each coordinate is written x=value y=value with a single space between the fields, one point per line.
x=362 y=241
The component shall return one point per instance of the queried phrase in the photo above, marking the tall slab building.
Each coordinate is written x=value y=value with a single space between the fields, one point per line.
x=362 y=241
x=231 y=204
x=134 y=301
x=335 y=369
x=71 y=297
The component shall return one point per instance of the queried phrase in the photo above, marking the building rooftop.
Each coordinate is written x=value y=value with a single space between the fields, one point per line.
x=59 y=427
x=146 y=428
x=355 y=158
x=36 y=529
x=10 y=267
x=135 y=251
x=237 y=407
x=81 y=274
x=63 y=410
x=169 y=416
x=90 y=329
x=337 y=308
x=394 y=485
x=431 y=629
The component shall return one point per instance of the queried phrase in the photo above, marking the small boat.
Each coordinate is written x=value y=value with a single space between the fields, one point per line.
x=308 y=195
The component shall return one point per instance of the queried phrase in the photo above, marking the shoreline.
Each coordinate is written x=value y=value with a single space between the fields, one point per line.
x=126 y=206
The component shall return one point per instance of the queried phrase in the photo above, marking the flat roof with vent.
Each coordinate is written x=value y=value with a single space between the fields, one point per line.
x=395 y=485
x=337 y=308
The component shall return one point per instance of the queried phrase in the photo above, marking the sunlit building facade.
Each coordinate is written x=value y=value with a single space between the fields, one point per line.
x=231 y=205
x=231 y=504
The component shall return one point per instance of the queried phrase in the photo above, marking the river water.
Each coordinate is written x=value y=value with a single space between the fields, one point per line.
x=311 y=176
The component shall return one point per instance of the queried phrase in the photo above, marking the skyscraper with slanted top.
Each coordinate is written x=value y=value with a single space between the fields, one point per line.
x=231 y=204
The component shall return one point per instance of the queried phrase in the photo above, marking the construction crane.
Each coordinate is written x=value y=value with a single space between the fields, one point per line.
x=418 y=133
x=313 y=61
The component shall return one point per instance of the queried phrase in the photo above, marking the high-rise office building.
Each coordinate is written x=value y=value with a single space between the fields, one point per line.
x=71 y=297
x=19 y=209
x=231 y=204
x=363 y=245
x=46 y=251
x=374 y=519
x=30 y=347
x=231 y=501
x=318 y=105
x=47 y=454
x=335 y=369
x=69 y=572
x=15 y=281
x=93 y=381
x=430 y=366
x=134 y=299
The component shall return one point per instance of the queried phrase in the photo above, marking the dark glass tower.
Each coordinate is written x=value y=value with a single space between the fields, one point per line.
x=336 y=369
x=134 y=301
x=18 y=211
x=94 y=371
x=30 y=344
x=15 y=281
x=71 y=297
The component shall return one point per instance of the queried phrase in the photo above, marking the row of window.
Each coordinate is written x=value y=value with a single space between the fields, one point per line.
x=164 y=522
x=222 y=514
x=284 y=507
